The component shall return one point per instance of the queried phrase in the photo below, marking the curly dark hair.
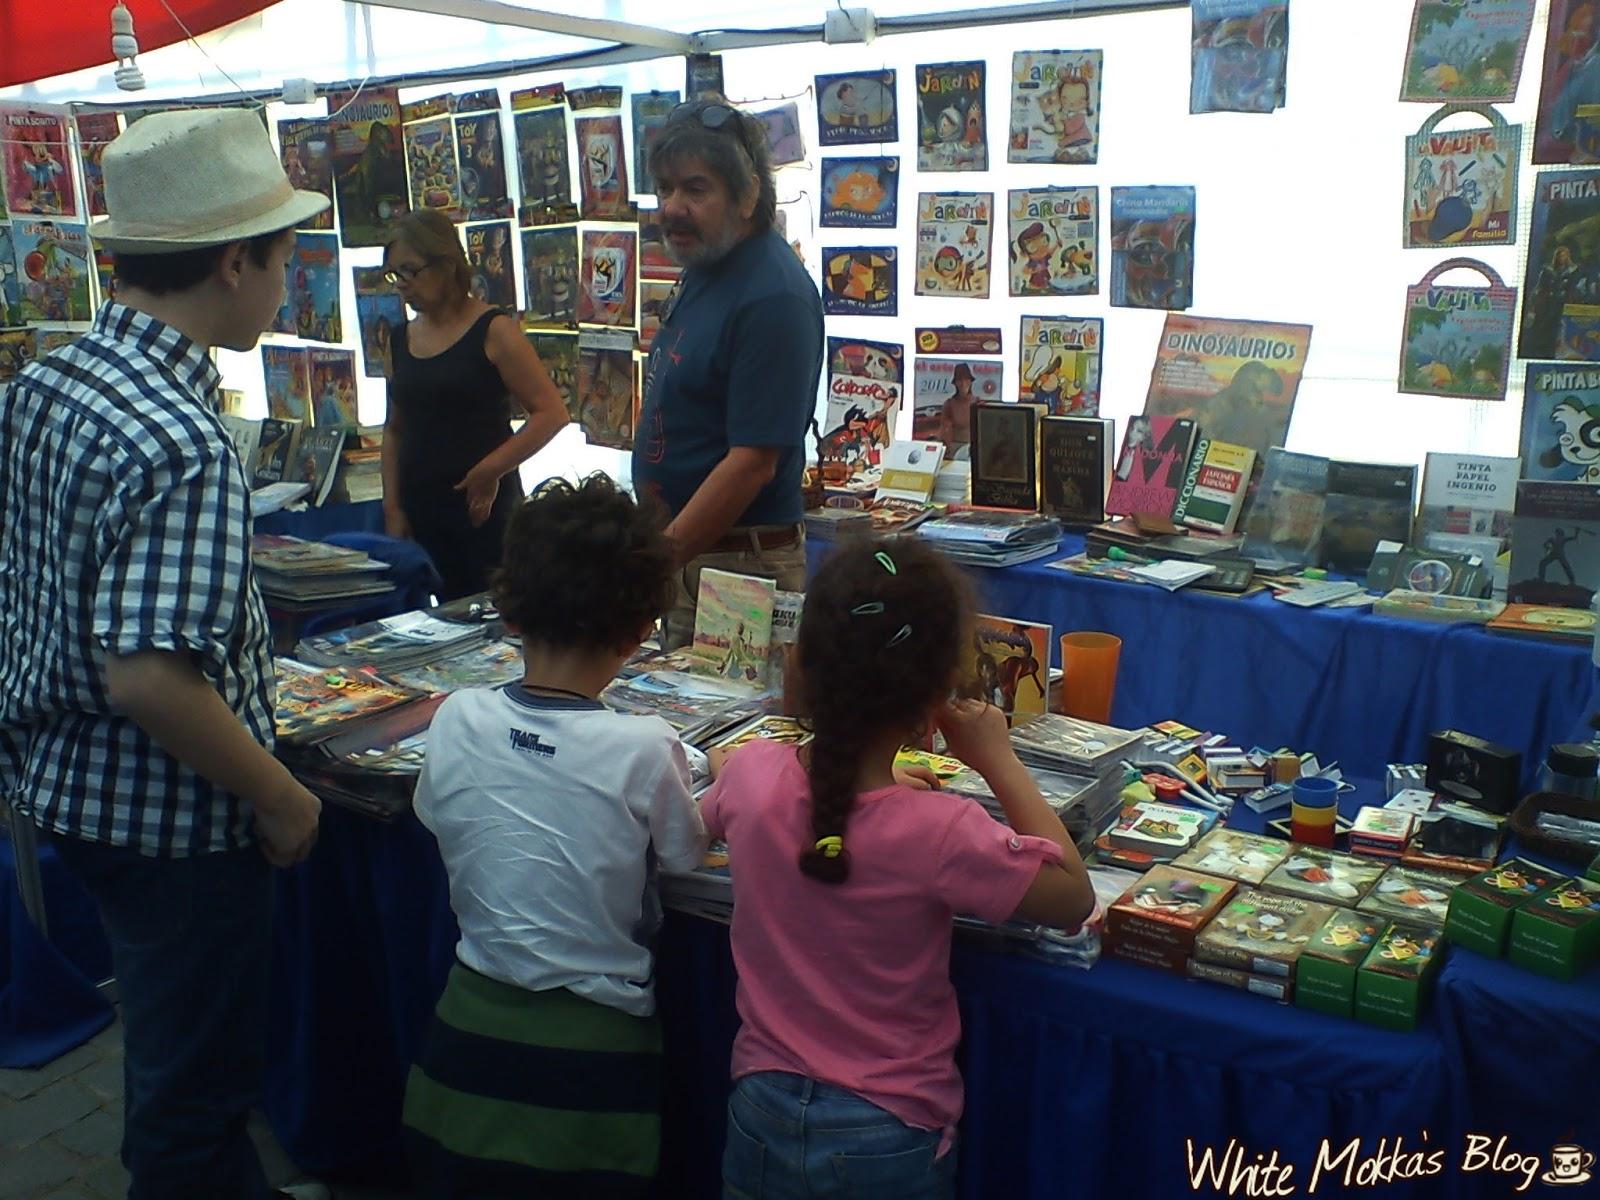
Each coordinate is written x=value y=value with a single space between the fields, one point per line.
x=584 y=566
x=881 y=638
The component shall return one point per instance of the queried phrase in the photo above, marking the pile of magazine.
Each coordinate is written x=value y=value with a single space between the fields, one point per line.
x=484 y=664
x=987 y=537
x=289 y=568
x=315 y=702
x=1084 y=802
x=392 y=644
x=697 y=709
x=370 y=766
x=1060 y=743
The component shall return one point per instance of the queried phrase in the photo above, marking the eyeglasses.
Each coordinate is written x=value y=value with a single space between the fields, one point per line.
x=396 y=275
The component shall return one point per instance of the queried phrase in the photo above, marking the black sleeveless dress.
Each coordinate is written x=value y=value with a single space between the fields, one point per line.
x=453 y=407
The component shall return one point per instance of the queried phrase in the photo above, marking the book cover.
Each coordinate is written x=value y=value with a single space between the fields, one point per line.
x=1561 y=423
x=1150 y=467
x=1055 y=106
x=856 y=108
x=609 y=282
x=1152 y=247
x=1284 y=523
x=1542 y=620
x=493 y=275
x=317 y=702
x=1180 y=901
x=1411 y=894
x=37 y=160
x=608 y=387
x=1562 y=134
x=786 y=730
x=958 y=339
x=951 y=134
x=1159 y=829
x=421 y=110
x=1075 y=461
x=1473 y=494
x=550 y=276
x=96 y=131
x=784 y=141
x=369 y=163
x=1561 y=261
x=311 y=308
x=944 y=391
x=1238 y=55
x=1261 y=932
x=559 y=354
x=1324 y=875
x=1054 y=242
x=650 y=111
x=481 y=166
x=1005 y=456
x=1234 y=854
x=953 y=232
x=287 y=370
x=733 y=624
x=602 y=169
x=655 y=297
x=18 y=348
x=275 y=448
x=10 y=287
x=866 y=381
x=333 y=387
x=1457 y=338
x=317 y=459
x=52 y=265
x=1214 y=486
x=1410 y=574
x=909 y=471
x=431 y=166
x=1461 y=185
x=1009 y=664
x=379 y=314
x=860 y=193
x=1466 y=51
x=1059 y=364
x=1366 y=503
x=599 y=96
x=1555 y=544
x=860 y=281
x=544 y=172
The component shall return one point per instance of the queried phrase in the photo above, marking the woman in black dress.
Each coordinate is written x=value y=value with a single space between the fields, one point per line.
x=450 y=458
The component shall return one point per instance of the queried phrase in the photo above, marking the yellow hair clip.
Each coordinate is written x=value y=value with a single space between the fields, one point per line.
x=830 y=847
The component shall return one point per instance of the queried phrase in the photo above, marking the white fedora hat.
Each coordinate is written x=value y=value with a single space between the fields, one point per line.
x=201 y=177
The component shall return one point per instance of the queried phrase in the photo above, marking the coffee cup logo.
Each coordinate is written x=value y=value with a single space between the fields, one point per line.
x=1569 y=1164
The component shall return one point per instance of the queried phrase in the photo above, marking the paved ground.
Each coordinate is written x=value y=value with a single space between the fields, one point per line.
x=60 y=1127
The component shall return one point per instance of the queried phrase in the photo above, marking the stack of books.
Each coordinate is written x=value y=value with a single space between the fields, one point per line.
x=986 y=537
x=953 y=483
x=697 y=714
x=1158 y=919
x=315 y=703
x=1083 y=801
x=361 y=467
x=1060 y=743
x=831 y=521
x=289 y=568
x=391 y=644
x=1380 y=832
x=488 y=664
x=1254 y=943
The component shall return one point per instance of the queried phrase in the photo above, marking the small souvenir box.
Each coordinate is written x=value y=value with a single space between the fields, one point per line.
x=1380 y=832
x=1163 y=830
x=1480 y=911
x=1324 y=875
x=1261 y=933
x=1325 y=977
x=1233 y=854
x=1412 y=895
x=1273 y=987
x=1161 y=914
x=1474 y=770
x=1400 y=777
x=1394 y=982
x=1557 y=933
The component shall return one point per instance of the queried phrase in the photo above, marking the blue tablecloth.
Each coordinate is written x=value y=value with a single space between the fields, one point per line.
x=1347 y=684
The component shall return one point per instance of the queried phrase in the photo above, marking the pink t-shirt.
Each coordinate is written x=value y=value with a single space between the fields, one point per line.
x=850 y=983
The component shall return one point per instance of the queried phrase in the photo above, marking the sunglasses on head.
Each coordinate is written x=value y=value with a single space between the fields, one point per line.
x=713 y=116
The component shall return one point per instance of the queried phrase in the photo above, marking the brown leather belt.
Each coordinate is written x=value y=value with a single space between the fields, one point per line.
x=757 y=537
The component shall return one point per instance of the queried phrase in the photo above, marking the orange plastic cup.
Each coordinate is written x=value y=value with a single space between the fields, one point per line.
x=1089 y=674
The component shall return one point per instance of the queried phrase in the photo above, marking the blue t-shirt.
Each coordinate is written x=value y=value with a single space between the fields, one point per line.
x=736 y=363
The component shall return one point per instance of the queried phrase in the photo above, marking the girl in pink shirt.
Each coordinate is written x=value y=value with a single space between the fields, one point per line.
x=845 y=880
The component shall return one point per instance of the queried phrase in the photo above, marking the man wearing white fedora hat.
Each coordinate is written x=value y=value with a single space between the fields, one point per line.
x=136 y=706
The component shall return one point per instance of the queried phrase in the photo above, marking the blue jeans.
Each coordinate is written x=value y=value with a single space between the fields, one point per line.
x=792 y=1138
x=190 y=939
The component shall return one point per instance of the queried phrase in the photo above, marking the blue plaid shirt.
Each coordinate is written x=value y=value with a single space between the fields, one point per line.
x=124 y=526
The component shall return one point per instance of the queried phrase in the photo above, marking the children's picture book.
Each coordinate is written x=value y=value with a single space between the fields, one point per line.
x=1009 y=664
x=10 y=288
x=1152 y=247
x=1055 y=106
x=314 y=703
x=1555 y=544
x=1150 y=467
x=608 y=387
x=559 y=354
x=96 y=131
x=857 y=108
x=1054 y=242
x=305 y=146
x=52 y=262
x=951 y=133
x=1561 y=423
x=786 y=730
x=369 y=163
x=1466 y=51
x=1562 y=258
x=1565 y=132
x=333 y=387
x=493 y=274
x=953 y=231
x=1238 y=55
x=860 y=193
x=1005 y=456
x=1075 y=466
x=1059 y=367
x=602 y=169
x=733 y=624
x=1214 y=485
x=1234 y=854
x=650 y=111
x=275 y=447
x=317 y=460
x=431 y=165
x=18 y=348
x=379 y=314
x=287 y=370
x=944 y=391
x=37 y=159
x=544 y=171
x=550 y=276
x=1284 y=521
x=1461 y=185
x=654 y=297
x=860 y=281
x=1471 y=494
x=481 y=165
x=1366 y=503
x=609 y=281
x=866 y=381
x=783 y=133
x=311 y=299
x=1457 y=339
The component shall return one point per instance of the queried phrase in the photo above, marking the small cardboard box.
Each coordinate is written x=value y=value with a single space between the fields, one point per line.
x=1325 y=977
x=1480 y=772
x=1261 y=933
x=1557 y=933
x=1233 y=854
x=1480 y=909
x=1395 y=980
x=1167 y=908
x=1412 y=895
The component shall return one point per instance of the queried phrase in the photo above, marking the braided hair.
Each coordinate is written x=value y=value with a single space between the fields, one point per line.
x=880 y=643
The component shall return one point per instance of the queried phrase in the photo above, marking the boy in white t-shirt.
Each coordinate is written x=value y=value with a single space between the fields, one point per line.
x=541 y=1072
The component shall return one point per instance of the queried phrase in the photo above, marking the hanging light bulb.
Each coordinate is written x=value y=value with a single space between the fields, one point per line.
x=125 y=49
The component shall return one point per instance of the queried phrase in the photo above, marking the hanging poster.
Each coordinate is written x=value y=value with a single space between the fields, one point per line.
x=544 y=169
x=18 y=348
x=1457 y=339
x=857 y=108
x=482 y=100
x=609 y=279
x=1152 y=247
x=1461 y=186
x=333 y=387
x=494 y=279
x=38 y=165
x=1561 y=423
x=594 y=97
x=1466 y=51
x=860 y=281
x=1238 y=55
x=10 y=289
x=650 y=113
x=602 y=169
x=287 y=370
x=865 y=384
x=783 y=134
x=306 y=150
x=702 y=76
x=104 y=272
x=654 y=260
x=1054 y=242
x=369 y=164
x=944 y=391
x=958 y=339
x=1055 y=106
x=860 y=193
x=311 y=299
x=431 y=165
x=608 y=387
x=1567 y=129
x=654 y=296
x=52 y=260
x=1059 y=364
x=379 y=314
x=559 y=354
x=1563 y=260
x=950 y=118
x=481 y=161
x=953 y=230
x=550 y=276
x=433 y=106
x=96 y=131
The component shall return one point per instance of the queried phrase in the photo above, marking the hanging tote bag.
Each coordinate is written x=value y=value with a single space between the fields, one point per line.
x=1457 y=338
x=1461 y=185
